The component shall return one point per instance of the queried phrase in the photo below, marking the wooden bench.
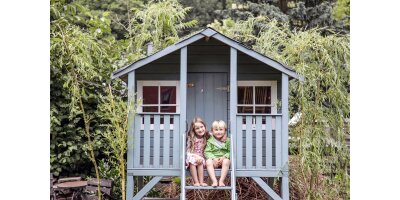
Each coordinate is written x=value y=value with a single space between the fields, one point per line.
x=69 y=179
x=61 y=193
x=106 y=188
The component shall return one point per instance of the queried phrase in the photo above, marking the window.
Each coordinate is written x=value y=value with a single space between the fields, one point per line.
x=159 y=96
x=257 y=97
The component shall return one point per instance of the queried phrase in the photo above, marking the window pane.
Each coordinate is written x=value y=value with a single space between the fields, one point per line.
x=245 y=109
x=263 y=109
x=150 y=108
x=168 y=94
x=245 y=95
x=150 y=95
x=168 y=109
x=263 y=95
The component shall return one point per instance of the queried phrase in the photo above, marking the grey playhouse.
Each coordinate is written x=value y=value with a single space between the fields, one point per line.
x=214 y=77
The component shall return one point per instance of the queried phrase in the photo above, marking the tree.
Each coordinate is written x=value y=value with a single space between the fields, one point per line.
x=160 y=23
x=203 y=12
x=79 y=57
x=305 y=14
x=341 y=11
x=83 y=54
x=323 y=99
x=116 y=113
x=120 y=12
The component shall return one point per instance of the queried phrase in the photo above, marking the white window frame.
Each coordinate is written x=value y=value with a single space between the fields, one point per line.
x=274 y=100
x=158 y=83
x=274 y=94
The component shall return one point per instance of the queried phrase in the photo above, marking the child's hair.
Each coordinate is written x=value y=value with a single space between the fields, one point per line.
x=191 y=134
x=219 y=124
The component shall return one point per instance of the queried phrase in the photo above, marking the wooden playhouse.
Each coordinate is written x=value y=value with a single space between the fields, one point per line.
x=214 y=77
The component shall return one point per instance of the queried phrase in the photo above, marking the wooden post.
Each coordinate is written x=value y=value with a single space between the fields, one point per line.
x=285 y=137
x=182 y=124
x=232 y=116
x=129 y=179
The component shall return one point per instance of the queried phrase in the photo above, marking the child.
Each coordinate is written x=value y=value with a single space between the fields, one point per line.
x=217 y=152
x=196 y=142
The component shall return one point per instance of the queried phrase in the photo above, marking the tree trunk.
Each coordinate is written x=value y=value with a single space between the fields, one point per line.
x=223 y=4
x=283 y=6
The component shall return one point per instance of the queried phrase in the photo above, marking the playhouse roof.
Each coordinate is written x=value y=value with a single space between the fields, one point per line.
x=208 y=32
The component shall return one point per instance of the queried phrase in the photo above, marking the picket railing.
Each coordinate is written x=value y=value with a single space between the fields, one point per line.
x=258 y=141
x=158 y=143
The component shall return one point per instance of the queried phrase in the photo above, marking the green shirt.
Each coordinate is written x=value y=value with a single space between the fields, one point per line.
x=213 y=151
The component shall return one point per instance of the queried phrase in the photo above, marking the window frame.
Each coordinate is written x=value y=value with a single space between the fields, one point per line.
x=253 y=84
x=159 y=84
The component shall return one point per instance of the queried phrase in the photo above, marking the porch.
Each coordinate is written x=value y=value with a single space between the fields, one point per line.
x=158 y=149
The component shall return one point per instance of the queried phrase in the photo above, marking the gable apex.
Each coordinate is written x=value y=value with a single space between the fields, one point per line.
x=208 y=32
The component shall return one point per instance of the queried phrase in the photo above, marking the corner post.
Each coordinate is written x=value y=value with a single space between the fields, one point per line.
x=232 y=116
x=131 y=94
x=182 y=124
x=285 y=137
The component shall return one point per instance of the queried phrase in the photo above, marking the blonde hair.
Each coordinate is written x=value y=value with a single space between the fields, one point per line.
x=191 y=134
x=219 y=124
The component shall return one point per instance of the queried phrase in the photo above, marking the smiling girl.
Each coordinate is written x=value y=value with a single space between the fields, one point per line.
x=217 y=152
x=196 y=141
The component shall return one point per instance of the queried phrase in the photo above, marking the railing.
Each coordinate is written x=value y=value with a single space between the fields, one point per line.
x=156 y=141
x=258 y=141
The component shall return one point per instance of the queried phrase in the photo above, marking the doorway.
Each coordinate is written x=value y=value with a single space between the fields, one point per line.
x=207 y=97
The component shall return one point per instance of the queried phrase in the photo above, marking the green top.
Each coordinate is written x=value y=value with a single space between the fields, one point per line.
x=214 y=151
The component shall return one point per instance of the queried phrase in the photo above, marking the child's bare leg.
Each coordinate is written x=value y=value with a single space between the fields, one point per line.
x=225 y=166
x=193 y=172
x=200 y=172
x=211 y=172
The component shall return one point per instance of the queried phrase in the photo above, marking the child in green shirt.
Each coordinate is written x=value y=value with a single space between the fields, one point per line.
x=217 y=152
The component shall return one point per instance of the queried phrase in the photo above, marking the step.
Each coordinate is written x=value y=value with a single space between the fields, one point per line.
x=207 y=188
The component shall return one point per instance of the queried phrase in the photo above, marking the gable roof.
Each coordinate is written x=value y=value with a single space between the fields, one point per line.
x=208 y=32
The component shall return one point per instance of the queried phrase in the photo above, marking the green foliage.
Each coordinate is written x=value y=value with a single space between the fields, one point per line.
x=318 y=16
x=115 y=114
x=160 y=23
x=323 y=98
x=301 y=15
x=120 y=13
x=250 y=9
x=83 y=54
x=203 y=12
x=109 y=170
x=75 y=54
x=342 y=11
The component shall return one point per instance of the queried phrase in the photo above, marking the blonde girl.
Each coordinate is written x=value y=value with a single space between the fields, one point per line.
x=196 y=142
x=217 y=152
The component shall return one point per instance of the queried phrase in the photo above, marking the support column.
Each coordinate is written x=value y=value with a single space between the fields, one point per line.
x=285 y=137
x=131 y=96
x=182 y=124
x=232 y=117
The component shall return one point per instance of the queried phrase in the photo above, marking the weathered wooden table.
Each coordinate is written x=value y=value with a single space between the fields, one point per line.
x=75 y=186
